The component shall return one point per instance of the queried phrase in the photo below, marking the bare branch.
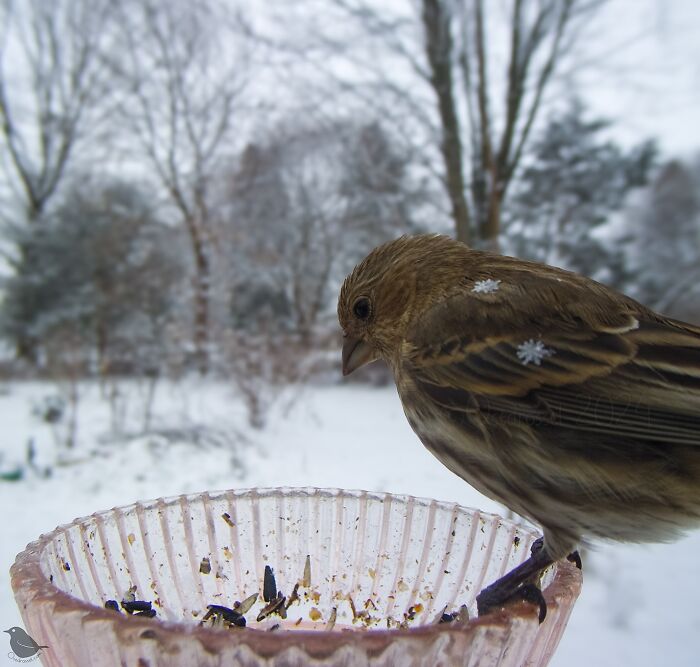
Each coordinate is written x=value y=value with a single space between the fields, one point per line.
x=542 y=80
x=482 y=89
x=438 y=45
x=56 y=47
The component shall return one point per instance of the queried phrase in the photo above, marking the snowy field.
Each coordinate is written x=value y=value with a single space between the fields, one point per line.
x=639 y=603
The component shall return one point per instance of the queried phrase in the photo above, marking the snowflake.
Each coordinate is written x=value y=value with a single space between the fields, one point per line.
x=486 y=286
x=533 y=351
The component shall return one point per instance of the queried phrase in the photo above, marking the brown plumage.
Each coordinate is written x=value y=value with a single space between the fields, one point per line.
x=566 y=401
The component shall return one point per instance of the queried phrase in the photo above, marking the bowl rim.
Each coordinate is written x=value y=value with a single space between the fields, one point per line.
x=29 y=583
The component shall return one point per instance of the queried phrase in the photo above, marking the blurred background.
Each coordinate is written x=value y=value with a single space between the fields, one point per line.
x=185 y=184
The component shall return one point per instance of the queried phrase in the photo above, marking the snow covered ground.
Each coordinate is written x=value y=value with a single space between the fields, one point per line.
x=639 y=603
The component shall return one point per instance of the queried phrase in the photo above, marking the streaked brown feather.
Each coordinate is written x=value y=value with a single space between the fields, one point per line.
x=654 y=360
x=600 y=436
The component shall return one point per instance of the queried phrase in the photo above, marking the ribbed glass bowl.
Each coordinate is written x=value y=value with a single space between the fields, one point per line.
x=373 y=573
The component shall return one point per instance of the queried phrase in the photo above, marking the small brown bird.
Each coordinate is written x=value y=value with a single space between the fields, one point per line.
x=571 y=404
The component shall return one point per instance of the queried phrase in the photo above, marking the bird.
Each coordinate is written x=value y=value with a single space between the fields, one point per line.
x=568 y=402
x=22 y=645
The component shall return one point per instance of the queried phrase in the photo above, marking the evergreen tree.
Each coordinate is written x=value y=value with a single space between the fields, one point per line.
x=101 y=279
x=574 y=181
x=663 y=249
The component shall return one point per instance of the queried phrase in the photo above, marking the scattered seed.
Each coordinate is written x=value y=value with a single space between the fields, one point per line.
x=306 y=581
x=462 y=614
x=219 y=613
x=227 y=518
x=245 y=606
x=205 y=566
x=294 y=597
x=134 y=606
x=282 y=609
x=269 y=585
x=271 y=608
x=331 y=620
x=314 y=614
x=410 y=613
x=352 y=607
x=438 y=618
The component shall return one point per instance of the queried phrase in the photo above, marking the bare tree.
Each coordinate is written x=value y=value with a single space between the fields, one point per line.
x=52 y=88
x=308 y=202
x=471 y=75
x=53 y=95
x=484 y=125
x=539 y=35
x=184 y=74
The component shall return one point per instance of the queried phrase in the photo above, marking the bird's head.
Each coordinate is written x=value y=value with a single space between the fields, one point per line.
x=379 y=298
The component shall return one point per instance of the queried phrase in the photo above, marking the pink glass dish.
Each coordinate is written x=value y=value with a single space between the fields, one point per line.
x=374 y=573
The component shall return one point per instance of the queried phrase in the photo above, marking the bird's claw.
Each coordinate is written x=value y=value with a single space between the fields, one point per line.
x=486 y=602
x=532 y=594
x=537 y=546
x=574 y=557
x=462 y=614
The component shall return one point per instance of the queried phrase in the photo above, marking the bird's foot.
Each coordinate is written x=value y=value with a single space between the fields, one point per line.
x=488 y=601
x=537 y=546
x=462 y=614
x=518 y=584
x=575 y=558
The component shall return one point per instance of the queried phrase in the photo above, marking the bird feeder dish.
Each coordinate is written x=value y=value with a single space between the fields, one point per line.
x=319 y=576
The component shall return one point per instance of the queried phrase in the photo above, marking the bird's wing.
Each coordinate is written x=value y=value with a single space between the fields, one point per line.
x=588 y=360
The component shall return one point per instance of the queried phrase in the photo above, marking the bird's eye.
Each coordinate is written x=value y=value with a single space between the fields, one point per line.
x=362 y=308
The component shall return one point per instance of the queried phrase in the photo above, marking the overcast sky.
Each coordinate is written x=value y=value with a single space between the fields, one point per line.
x=653 y=88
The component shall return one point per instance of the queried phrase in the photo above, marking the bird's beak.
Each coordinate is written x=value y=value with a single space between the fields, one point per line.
x=356 y=353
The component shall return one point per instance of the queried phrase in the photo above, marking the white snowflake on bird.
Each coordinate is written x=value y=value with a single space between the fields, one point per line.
x=533 y=351
x=486 y=286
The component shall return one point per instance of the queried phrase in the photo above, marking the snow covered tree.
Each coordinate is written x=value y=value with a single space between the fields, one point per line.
x=55 y=93
x=183 y=68
x=102 y=282
x=663 y=242
x=574 y=180
x=463 y=82
x=304 y=206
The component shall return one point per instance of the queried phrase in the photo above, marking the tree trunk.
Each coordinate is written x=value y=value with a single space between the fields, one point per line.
x=26 y=343
x=201 y=309
x=451 y=152
x=200 y=284
x=438 y=44
x=492 y=224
